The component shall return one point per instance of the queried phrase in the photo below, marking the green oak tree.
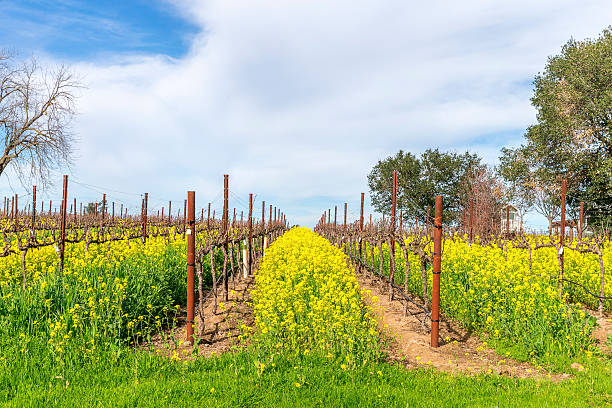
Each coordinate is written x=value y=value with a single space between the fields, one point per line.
x=419 y=180
x=572 y=138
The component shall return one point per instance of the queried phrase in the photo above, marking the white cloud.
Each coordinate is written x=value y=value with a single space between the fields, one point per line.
x=297 y=100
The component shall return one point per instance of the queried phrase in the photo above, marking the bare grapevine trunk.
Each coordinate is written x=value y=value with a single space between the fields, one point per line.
x=214 y=277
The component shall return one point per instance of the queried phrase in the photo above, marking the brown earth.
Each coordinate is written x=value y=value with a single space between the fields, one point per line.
x=603 y=331
x=222 y=327
x=407 y=329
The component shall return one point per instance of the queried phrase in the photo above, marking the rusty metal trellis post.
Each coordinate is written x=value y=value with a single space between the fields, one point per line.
x=361 y=232
x=33 y=211
x=144 y=217
x=63 y=223
x=225 y=233
x=250 y=244
x=436 y=269
x=190 y=264
x=392 y=238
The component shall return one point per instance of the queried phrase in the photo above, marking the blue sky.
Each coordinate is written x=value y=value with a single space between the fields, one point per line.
x=295 y=100
x=90 y=30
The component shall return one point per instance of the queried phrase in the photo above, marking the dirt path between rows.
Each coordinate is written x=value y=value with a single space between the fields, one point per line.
x=603 y=331
x=222 y=328
x=407 y=329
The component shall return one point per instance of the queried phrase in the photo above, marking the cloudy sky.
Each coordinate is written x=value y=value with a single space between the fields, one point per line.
x=295 y=100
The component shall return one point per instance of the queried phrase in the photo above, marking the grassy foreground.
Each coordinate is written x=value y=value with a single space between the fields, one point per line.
x=236 y=380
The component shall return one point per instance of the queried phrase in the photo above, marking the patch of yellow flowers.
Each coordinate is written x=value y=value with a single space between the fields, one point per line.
x=109 y=293
x=493 y=290
x=307 y=299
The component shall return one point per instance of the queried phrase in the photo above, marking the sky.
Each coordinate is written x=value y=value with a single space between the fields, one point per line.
x=296 y=101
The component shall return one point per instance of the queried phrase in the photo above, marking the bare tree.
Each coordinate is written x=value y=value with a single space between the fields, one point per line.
x=36 y=108
x=485 y=192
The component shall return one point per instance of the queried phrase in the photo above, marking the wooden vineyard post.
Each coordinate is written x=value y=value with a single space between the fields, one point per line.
x=562 y=237
x=63 y=222
x=190 y=264
x=436 y=269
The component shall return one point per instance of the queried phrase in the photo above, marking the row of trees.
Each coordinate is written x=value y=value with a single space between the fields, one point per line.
x=572 y=139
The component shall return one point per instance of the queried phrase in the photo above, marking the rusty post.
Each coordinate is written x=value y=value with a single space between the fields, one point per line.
x=184 y=218
x=270 y=216
x=201 y=216
x=103 y=207
x=144 y=217
x=169 y=211
x=225 y=233
x=329 y=216
x=580 y=221
x=208 y=218
x=250 y=243
x=361 y=229
x=190 y=265
x=63 y=223
x=50 y=206
x=33 y=211
x=562 y=236
x=436 y=269
x=392 y=239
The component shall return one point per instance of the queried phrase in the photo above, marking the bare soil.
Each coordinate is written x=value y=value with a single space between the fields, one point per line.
x=407 y=329
x=221 y=330
x=603 y=331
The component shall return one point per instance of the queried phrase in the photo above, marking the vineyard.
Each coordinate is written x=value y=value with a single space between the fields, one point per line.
x=84 y=292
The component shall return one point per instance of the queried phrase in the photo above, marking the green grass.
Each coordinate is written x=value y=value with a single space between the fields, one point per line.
x=145 y=380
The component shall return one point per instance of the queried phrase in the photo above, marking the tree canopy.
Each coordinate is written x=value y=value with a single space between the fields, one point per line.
x=572 y=138
x=419 y=180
